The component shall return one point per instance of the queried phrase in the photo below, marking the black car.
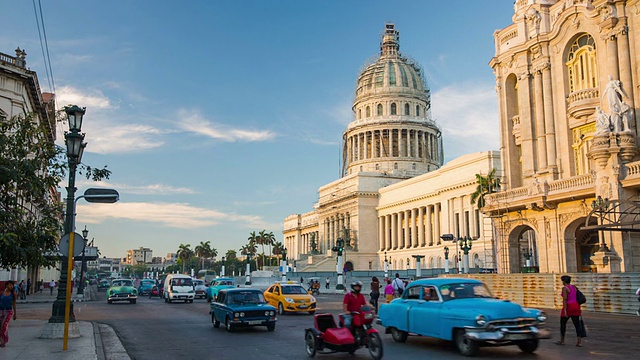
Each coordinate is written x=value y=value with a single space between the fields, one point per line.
x=103 y=285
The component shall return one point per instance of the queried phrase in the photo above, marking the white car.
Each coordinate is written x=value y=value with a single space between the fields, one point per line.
x=201 y=290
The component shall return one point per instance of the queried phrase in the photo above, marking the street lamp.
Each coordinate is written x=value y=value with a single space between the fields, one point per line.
x=386 y=266
x=446 y=260
x=465 y=246
x=222 y=271
x=247 y=274
x=601 y=206
x=83 y=263
x=418 y=267
x=527 y=253
x=284 y=264
x=73 y=140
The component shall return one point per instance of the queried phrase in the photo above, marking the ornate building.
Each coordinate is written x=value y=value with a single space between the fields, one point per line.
x=566 y=73
x=391 y=198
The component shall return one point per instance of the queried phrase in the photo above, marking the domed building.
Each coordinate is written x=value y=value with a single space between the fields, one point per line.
x=394 y=196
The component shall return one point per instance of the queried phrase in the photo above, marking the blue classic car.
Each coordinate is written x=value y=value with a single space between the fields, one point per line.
x=242 y=307
x=462 y=311
x=217 y=285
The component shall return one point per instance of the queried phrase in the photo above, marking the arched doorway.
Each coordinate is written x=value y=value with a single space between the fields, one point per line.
x=523 y=250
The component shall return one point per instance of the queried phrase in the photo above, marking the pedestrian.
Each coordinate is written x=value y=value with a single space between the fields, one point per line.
x=398 y=286
x=327 y=282
x=40 y=285
x=388 y=291
x=52 y=285
x=301 y=280
x=570 y=309
x=352 y=302
x=7 y=311
x=28 y=286
x=22 y=289
x=375 y=292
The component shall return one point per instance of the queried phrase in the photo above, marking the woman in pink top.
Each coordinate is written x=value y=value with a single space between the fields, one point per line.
x=388 y=291
x=570 y=309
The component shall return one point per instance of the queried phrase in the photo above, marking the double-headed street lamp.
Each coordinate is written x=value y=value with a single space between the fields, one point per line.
x=386 y=266
x=83 y=263
x=284 y=264
x=446 y=260
x=465 y=245
x=247 y=274
x=222 y=271
x=601 y=206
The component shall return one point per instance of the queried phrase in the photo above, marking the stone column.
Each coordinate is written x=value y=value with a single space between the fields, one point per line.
x=387 y=232
x=421 y=226
x=416 y=143
x=399 y=230
x=436 y=211
x=524 y=105
x=612 y=56
x=381 y=232
x=407 y=228
x=540 y=125
x=390 y=143
x=625 y=68
x=549 y=120
x=414 y=228
x=429 y=227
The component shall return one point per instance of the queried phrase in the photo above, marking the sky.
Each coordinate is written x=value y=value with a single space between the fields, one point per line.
x=219 y=118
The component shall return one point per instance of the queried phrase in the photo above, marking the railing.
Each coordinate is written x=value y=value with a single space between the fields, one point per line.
x=586 y=94
x=7 y=58
x=633 y=168
x=572 y=183
x=508 y=36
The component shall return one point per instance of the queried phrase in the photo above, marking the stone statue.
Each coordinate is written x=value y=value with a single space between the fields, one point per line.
x=619 y=110
x=603 y=124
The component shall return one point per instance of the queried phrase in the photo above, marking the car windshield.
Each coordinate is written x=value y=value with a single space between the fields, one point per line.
x=224 y=282
x=181 y=282
x=245 y=297
x=293 y=289
x=464 y=291
x=122 y=283
x=148 y=282
x=198 y=282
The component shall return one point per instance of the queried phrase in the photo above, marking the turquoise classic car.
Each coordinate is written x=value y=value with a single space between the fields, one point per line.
x=146 y=285
x=462 y=311
x=217 y=285
x=240 y=307
x=122 y=290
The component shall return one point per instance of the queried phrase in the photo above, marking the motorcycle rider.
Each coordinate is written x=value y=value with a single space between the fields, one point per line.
x=352 y=302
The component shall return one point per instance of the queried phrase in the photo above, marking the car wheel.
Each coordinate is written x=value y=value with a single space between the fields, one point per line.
x=216 y=323
x=310 y=344
x=132 y=301
x=108 y=301
x=191 y=301
x=281 y=309
x=466 y=346
x=312 y=312
x=398 y=335
x=375 y=346
x=229 y=325
x=528 y=346
x=271 y=326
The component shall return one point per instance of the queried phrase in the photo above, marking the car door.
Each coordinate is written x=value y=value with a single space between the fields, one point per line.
x=268 y=295
x=424 y=315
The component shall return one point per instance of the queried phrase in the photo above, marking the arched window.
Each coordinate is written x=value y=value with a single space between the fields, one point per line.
x=582 y=65
x=368 y=111
x=359 y=113
x=379 y=109
x=394 y=110
x=395 y=166
x=406 y=109
x=417 y=110
x=377 y=166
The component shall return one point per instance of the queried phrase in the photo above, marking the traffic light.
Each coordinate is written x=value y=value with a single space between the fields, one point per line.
x=339 y=248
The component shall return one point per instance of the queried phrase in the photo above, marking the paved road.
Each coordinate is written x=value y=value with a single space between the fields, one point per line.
x=154 y=329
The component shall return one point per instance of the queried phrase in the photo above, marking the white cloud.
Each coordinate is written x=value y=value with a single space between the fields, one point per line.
x=123 y=139
x=197 y=124
x=89 y=98
x=175 y=215
x=151 y=189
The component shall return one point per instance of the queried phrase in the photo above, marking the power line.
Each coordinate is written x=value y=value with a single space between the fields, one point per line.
x=44 y=46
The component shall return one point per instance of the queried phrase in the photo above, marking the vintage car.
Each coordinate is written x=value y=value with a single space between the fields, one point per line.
x=462 y=311
x=237 y=307
x=103 y=284
x=201 y=290
x=122 y=290
x=217 y=285
x=290 y=296
x=145 y=286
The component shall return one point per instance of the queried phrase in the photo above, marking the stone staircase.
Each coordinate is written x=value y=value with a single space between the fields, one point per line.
x=320 y=263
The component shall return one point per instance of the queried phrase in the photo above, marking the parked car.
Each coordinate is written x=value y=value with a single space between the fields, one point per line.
x=103 y=284
x=236 y=307
x=145 y=286
x=122 y=290
x=462 y=311
x=178 y=287
x=217 y=285
x=290 y=296
x=201 y=290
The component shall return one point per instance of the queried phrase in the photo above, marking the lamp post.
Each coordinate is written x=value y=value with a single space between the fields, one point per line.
x=446 y=260
x=83 y=263
x=386 y=266
x=75 y=147
x=527 y=253
x=601 y=206
x=339 y=248
x=284 y=264
x=465 y=246
x=418 y=267
x=222 y=271
x=247 y=280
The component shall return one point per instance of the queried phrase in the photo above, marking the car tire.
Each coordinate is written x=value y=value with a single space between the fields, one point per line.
x=312 y=312
x=191 y=301
x=216 y=323
x=281 y=309
x=132 y=301
x=465 y=346
x=271 y=326
x=398 y=335
x=229 y=325
x=109 y=302
x=528 y=346
x=310 y=344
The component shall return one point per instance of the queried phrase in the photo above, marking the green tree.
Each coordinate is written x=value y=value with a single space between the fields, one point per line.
x=253 y=240
x=184 y=254
x=231 y=255
x=31 y=167
x=262 y=240
x=277 y=249
x=270 y=239
x=486 y=185
x=203 y=251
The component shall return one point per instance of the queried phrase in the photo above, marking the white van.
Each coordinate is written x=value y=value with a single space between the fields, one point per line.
x=178 y=287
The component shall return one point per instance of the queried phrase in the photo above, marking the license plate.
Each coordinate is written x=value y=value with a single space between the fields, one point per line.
x=255 y=322
x=302 y=307
x=519 y=337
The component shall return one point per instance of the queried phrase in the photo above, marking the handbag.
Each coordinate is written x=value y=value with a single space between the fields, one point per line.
x=580 y=298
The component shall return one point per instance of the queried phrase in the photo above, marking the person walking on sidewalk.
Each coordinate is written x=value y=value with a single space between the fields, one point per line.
x=570 y=309
x=7 y=311
x=28 y=286
x=52 y=285
x=22 y=289
x=327 y=282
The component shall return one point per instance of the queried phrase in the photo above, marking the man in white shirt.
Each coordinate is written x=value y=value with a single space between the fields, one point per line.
x=398 y=286
x=52 y=285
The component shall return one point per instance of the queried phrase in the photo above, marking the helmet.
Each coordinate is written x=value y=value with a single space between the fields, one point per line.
x=354 y=284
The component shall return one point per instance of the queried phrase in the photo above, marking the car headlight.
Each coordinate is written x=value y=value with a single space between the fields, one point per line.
x=272 y=313
x=542 y=317
x=241 y=314
x=236 y=315
x=313 y=299
x=267 y=313
x=289 y=300
x=481 y=320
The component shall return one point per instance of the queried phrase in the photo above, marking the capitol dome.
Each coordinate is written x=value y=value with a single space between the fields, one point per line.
x=393 y=132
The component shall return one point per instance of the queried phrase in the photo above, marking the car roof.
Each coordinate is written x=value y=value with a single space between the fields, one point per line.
x=223 y=279
x=443 y=281
x=232 y=290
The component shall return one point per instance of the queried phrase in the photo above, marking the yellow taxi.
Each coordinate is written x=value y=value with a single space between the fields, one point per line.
x=290 y=296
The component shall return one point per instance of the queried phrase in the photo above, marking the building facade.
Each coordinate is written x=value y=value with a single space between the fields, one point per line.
x=141 y=255
x=566 y=77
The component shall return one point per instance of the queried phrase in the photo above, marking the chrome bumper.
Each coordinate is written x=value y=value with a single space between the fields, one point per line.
x=481 y=334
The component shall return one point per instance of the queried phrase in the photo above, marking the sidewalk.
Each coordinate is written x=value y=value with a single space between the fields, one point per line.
x=96 y=341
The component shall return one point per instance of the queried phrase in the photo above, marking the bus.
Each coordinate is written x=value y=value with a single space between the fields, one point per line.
x=207 y=276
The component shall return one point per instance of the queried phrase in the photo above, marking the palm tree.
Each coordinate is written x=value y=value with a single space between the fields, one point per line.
x=486 y=185
x=203 y=251
x=213 y=253
x=270 y=240
x=262 y=240
x=231 y=255
x=184 y=253
x=253 y=239
x=277 y=248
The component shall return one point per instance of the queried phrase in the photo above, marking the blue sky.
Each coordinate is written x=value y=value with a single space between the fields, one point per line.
x=218 y=118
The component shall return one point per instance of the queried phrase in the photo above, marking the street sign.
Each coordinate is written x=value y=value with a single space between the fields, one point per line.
x=105 y=196
x=78 y=244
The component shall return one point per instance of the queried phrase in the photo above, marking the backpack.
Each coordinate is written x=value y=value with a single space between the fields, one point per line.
x=397 y=287
x=580 y=298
